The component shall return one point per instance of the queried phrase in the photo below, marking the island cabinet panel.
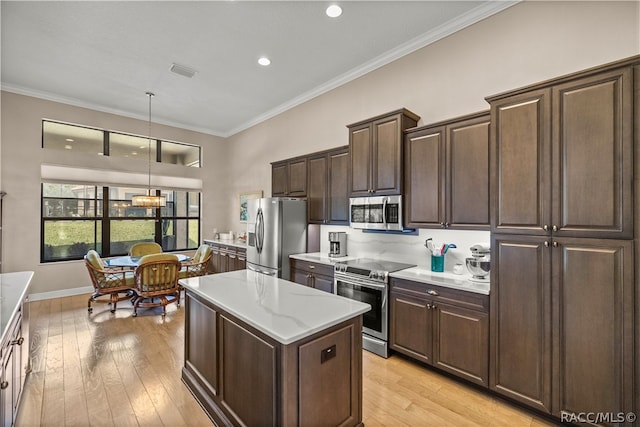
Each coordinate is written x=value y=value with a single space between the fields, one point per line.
x=443 y=327
x=243 y=377
x=201 y=344
x=249 y=375
x=327 y=378
x=377 y=154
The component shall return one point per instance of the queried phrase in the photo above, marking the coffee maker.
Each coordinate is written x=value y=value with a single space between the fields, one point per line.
x=337 y=244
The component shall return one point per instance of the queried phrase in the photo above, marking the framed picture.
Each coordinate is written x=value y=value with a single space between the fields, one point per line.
x=244 y=197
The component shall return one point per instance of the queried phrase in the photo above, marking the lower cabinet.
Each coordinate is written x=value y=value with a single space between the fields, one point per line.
x=227 y=258
x=314 y=275
x=15 y=365
x=562 y=324
x=443 y=327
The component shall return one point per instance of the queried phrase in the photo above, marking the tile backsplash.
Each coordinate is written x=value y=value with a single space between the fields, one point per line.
x=406 y=248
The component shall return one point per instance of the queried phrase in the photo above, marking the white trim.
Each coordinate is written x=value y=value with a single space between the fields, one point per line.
x=59 y=173
x=61 y=293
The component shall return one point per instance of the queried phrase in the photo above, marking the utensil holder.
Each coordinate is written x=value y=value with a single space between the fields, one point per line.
x=437 y=263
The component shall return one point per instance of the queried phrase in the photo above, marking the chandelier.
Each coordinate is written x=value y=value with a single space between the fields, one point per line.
x=149 y=200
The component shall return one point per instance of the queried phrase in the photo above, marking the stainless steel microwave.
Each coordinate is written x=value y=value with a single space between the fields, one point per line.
x=376 y=212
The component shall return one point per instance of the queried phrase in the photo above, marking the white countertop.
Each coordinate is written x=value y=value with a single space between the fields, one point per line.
x=285 y=311
x=13 y=289
x=235 y=242
x=321 y=258
x=447 y=280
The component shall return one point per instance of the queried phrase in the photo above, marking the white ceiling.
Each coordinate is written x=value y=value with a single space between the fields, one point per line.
x=105 y=55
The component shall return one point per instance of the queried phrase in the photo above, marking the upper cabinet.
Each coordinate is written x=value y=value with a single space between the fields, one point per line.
x=327 y=189
x=562 y=156
x=289 y=178
x=376 y=153
x=446 y=171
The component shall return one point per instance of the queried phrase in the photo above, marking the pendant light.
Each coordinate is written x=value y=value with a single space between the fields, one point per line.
x=149 y=200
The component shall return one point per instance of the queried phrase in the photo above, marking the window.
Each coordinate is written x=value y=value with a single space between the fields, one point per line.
x=77 y=218
x=64 y=136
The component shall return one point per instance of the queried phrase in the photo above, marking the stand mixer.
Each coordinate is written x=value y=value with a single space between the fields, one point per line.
x=479 y=264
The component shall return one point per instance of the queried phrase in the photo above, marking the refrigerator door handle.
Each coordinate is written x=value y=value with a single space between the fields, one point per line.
x=260 y=231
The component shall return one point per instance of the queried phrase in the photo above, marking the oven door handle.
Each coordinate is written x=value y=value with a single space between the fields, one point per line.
x=360 y=282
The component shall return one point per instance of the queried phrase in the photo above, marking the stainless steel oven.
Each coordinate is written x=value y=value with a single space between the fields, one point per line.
x=367 y=281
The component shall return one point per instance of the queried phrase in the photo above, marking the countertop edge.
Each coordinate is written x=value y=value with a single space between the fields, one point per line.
x=22 y=295
x=235 y=242
x=446 y=280
x=269 y=332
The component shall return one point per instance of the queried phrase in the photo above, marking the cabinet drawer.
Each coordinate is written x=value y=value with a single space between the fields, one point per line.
x=312 y=267
x=441 y=294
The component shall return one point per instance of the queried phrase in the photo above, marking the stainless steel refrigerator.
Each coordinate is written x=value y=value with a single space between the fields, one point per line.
x=276 y=228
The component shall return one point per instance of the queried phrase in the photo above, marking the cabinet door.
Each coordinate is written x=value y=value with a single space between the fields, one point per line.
x=223 y=260
x=593 y=322
x=279 y=179
x=360 y=148
x=387 y=156
x=461 y=344
x=232 y=260
x=411 y=326
x=6 y=386
x=520 y=163
x=215 y=259
x=317 y=170
x=520 y=304
x=323 y=283
x=424 y=155
x=593 y=142
x=338 y=198
x=300 y=277
x=467 y=174
x=241 y=262
x=297 y=178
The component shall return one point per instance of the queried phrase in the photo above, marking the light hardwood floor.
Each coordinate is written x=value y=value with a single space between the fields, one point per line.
x=115 y=369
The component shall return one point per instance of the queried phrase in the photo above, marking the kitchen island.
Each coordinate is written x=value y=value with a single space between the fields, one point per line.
x=265 y=351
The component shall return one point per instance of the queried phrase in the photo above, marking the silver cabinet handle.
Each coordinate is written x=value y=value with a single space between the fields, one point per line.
x=432 y=292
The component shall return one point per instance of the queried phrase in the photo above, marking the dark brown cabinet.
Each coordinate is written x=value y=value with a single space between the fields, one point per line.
x=289 y=178
x=327 y=189
x=563 y=267
x=560 y=341
x=226 y=258
x=562 y=157
x=447 y=174
x=376 y=153
x=314 y=275
x=241 y=376
x=443 y=327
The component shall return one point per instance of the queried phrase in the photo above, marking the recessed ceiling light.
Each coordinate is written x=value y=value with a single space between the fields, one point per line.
x=135 y=153
x=69 y=140
x=334 y=11
x=264 y=61
x=68 y=147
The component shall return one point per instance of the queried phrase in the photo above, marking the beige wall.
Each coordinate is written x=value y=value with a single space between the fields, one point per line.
x=527 y=43
x=22 y=156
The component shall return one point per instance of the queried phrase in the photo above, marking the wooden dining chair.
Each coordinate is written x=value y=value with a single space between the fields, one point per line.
x=198 y=265
x=116 y=282
x=145 y=248
x=156 y=281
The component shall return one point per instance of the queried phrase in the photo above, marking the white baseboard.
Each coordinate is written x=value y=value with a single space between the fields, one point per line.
x=61 y=293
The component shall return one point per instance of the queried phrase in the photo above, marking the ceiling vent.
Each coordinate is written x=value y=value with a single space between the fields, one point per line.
x=182 y=70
